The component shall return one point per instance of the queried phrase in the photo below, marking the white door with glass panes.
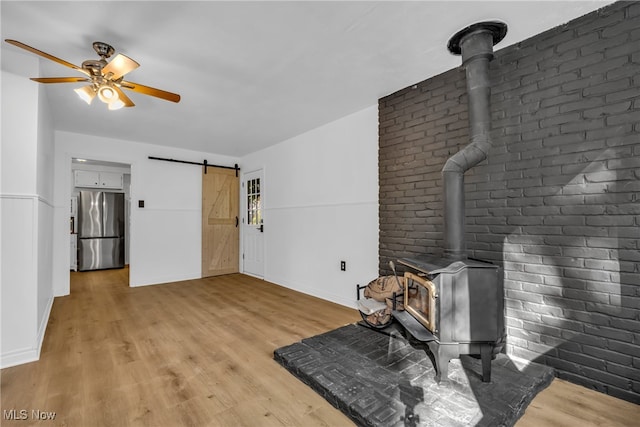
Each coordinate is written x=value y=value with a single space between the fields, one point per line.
x=253 y=224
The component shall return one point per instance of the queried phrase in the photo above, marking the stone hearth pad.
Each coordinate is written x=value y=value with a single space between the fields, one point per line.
x=380 y=378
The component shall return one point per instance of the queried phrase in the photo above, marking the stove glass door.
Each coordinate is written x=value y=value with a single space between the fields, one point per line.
x=420 y=300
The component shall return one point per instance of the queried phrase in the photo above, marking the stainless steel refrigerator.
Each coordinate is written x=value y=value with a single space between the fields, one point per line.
x=100 y=230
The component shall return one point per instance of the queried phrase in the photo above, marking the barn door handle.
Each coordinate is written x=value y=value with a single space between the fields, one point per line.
x=262 y=228
x=236 y=222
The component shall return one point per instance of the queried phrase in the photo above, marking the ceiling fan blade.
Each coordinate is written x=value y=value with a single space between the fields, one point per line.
x=124 y=98
x=119 y=66
x=147 y=90
x=46 y=55
x=59 y=79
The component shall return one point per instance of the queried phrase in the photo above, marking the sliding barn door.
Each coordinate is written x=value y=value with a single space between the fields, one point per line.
x=220 y=232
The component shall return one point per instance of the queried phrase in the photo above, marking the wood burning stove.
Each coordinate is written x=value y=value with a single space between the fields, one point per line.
x=455 y=304
x=455 y=308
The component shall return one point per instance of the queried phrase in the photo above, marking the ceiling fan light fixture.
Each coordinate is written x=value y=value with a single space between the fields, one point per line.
x=106 y=78
x=86 y=93
x=119 y=66
x=107 y=94
x=116 y=104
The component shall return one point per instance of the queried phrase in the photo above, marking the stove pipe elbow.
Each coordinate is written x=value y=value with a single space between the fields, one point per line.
x=475 y=44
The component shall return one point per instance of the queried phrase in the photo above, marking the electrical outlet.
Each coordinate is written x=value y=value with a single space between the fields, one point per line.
x=343 y=265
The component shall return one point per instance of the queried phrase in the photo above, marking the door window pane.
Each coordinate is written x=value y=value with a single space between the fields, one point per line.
x=254 y=208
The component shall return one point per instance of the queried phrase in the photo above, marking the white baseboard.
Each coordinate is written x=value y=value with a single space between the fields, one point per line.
x=252 y=275
x=27 y=355
x=162 y=280
x=43 y=325
x=18 y=357
x=338 y=299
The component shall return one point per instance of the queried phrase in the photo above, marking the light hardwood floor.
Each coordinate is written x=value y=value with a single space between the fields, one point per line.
x=200 y=352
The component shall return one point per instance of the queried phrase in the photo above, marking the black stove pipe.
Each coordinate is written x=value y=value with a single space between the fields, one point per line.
x=475 y=44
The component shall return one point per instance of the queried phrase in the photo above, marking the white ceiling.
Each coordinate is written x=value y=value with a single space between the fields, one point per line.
x=252 y=74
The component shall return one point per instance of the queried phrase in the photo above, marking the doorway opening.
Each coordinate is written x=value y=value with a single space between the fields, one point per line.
x=100 y=215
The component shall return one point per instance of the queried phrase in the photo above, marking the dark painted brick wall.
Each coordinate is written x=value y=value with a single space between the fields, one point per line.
x=557 y=203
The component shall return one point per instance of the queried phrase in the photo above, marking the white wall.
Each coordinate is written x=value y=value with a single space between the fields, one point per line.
x=320 y=198
x=26 y=212
x=165 y=237
x=44 y=189
x=19 y=124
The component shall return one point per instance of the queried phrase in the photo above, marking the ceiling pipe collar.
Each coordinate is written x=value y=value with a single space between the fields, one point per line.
x=497 y=29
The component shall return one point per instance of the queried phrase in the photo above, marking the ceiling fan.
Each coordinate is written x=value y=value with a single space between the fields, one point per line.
x=105 y=78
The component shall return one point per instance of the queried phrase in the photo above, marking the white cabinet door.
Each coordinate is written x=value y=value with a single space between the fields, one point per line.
x=87 y=178
x=94 y=179
x=110 y=180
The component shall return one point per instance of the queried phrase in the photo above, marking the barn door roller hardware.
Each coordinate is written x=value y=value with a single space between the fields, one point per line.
x=204 y=163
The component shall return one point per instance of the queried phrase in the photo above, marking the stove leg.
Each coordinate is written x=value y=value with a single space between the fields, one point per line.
x=443 y=354
x=485 y=356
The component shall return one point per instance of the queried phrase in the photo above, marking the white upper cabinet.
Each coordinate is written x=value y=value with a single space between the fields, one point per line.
x=87 y=179
x=94 y=179
x=111 y=180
